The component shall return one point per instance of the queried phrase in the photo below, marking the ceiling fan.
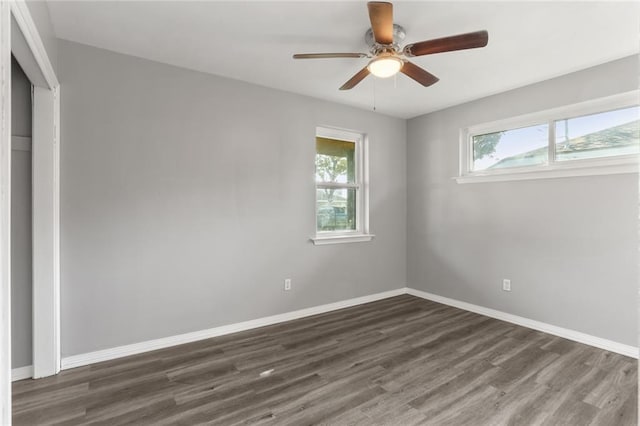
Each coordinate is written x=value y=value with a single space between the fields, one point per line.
x=388 y=59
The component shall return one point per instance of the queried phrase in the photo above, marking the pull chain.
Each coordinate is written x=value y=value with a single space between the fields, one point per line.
x=374 y=93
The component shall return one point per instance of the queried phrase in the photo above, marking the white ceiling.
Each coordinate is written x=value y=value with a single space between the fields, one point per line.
x=254 y=41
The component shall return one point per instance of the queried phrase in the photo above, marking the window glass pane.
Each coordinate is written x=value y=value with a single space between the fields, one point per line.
x=598 y=135
x=527 y=146
x=335 y=209
x=335 y=161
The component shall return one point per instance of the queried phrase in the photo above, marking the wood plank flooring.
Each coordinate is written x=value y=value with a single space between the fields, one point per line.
x=399 y=361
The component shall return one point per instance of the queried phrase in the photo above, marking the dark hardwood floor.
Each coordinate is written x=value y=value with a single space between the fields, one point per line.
x=398 y=361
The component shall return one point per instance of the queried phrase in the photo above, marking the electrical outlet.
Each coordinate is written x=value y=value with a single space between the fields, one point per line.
x=506 y=285
x=287 y=284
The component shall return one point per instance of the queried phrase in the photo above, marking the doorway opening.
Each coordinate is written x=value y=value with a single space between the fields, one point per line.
x=19 y=38
x=21 y=225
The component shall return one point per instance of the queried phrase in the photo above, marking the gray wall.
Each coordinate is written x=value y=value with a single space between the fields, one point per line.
x=21 y=264
x=187 y=199
x=569 y=245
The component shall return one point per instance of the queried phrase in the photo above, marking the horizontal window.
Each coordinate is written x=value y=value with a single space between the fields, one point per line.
x=596 y=137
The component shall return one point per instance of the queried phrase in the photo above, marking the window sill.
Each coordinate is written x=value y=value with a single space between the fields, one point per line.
x=550 y=173
x=341 y=239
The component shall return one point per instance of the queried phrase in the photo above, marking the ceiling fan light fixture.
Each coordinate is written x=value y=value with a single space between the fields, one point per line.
x=385 y=66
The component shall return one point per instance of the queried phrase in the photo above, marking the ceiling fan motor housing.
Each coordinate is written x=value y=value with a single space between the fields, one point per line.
x=375 y=48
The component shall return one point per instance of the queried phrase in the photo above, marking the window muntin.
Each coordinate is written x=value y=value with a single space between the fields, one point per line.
x=605 y=134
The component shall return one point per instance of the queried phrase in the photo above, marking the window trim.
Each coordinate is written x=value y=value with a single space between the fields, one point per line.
x=361 y=233
x=551 y=168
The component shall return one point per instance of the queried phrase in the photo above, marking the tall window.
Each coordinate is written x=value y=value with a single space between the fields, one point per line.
x=341 y=214
x=601 y=136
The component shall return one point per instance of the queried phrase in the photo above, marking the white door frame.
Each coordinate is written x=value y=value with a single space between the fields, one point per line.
x=45 y=160
x=46 y=195
x=5 y=213
x=46 y=190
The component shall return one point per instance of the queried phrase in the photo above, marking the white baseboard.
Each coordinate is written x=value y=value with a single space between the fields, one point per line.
x=21 y=373
x=150 y=345
x=566 y=333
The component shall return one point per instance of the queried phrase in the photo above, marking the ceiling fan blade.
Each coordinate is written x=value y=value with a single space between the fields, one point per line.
x=418 y=74
x=328 y=55
x=448 y=44
x=381 y=17
x=355 y=79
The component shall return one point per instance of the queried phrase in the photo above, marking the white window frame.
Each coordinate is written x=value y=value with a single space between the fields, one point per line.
x=361 y=185
x=551 y=168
